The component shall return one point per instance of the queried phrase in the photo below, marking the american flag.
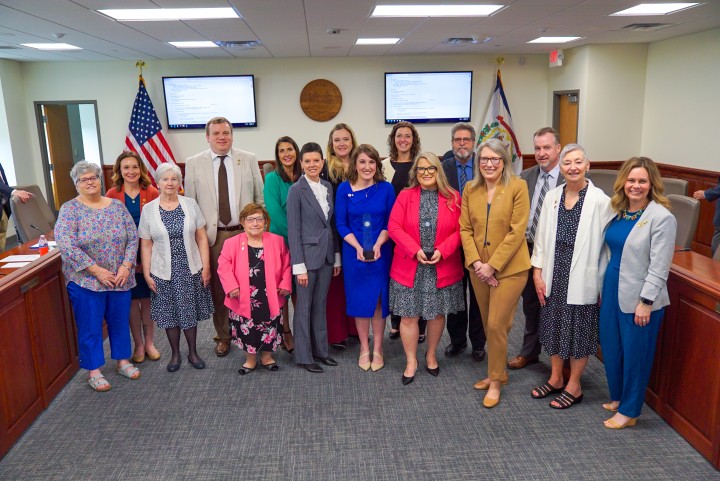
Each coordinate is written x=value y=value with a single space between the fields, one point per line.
x=145 y=132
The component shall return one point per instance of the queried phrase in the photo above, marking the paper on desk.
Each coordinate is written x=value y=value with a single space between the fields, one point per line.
x=21 y=258
x=14 y=265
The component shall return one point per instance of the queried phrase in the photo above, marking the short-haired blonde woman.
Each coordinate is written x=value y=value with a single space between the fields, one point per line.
x=494 y=216
x=641 y=240
x=254 y=269
x=132 y=187
x=426 y=272
x=98 y=244
x=176 y=264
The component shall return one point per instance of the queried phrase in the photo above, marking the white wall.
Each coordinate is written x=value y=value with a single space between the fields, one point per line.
x=682 y=101
x=278 y=83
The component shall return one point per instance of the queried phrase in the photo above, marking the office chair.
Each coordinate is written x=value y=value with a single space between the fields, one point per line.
x=603 y=180
x=675 y=186
x=267 y=168
x=686 y=211
x=33 y=217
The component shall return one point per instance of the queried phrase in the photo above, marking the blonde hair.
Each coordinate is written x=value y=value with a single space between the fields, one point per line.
x=335 y=168
x=502 y=151
x=444 y=187
x=620 y=201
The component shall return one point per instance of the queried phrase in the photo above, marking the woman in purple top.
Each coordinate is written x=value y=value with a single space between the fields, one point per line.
x=98 y=244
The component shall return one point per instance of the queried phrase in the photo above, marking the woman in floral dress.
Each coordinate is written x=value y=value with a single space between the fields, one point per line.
x=254 y=269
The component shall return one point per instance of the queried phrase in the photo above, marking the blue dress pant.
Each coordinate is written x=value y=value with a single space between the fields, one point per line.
x=628 y=353
x=90 y=308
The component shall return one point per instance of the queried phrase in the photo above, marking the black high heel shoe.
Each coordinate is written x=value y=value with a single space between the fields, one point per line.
x=434 y=371
x=407 y=380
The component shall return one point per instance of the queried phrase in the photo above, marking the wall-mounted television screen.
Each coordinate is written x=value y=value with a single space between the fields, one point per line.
x=191 y=101
x=422 y=97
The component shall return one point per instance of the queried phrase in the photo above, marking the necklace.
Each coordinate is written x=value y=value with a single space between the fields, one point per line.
x=627 y=215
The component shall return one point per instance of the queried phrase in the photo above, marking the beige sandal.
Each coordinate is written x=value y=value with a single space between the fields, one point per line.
x=99 y=383
x=129 y=371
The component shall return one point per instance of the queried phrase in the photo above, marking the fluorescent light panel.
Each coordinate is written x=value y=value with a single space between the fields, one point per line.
x=435 y=10
x=51 y=46
x=194 y=44
x=163 y=14
x=377 y=41
x=654 y=9
x=554 y=39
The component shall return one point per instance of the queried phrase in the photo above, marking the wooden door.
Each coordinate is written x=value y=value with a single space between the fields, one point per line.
x=60 y=153
x=565 y=116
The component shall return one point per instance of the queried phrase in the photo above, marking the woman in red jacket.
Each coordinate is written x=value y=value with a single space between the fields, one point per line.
x=254 y=270
x=426 y=272
x=132 y=187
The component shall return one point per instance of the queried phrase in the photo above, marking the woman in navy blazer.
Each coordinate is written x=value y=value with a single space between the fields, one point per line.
x=426 y=272
x=641 y=241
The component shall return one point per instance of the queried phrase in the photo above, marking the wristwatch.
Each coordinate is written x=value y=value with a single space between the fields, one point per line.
x=647 y=302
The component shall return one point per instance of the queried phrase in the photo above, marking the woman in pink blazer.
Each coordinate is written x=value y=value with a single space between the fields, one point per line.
x=254 y=269
x=426 y=272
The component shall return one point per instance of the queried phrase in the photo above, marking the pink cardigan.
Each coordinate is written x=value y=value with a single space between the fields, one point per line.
x=234 y=272
x=404 y=230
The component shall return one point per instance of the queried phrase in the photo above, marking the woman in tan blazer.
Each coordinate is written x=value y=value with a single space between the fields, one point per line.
x=493 y=220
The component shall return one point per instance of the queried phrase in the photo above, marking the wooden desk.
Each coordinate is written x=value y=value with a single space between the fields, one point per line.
x=684 y=387
x=38 y=341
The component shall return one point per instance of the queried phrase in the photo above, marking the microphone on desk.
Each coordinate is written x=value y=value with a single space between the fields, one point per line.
x=41 y=231
x=684 y=249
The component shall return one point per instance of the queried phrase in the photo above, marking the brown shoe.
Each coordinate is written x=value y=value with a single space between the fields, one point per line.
x=222 y=348
x=519 y=362
x=484 y=384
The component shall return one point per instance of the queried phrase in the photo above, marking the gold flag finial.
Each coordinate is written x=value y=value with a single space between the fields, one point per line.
x=499 y=61
x=140 y=64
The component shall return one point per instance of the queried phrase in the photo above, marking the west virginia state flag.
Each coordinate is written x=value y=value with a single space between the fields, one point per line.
x=498 y=124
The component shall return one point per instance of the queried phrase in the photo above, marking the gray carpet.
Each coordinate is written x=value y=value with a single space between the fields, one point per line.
x=345 y=424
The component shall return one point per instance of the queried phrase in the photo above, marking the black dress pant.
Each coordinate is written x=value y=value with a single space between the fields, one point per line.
x=468 y=323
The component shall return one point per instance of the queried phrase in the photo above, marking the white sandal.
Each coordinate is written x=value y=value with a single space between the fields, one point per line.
x=129 y=371
x=99 y=383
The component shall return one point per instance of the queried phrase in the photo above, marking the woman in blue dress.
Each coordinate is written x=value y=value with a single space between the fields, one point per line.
x=362 y=210
x=641 y=240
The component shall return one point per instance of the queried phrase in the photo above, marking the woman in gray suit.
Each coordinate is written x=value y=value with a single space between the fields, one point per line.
x=315 y=258
x=641 y=241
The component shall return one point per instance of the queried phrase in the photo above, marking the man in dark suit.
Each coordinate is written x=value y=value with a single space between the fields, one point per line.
x=459 y=170
x=712 y=195
x=5 y=193
x=540 y=179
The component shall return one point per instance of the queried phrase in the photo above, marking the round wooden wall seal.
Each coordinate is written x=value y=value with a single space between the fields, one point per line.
x=321 y=100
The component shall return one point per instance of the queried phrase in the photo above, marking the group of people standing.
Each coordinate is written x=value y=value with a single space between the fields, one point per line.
x=351 y=238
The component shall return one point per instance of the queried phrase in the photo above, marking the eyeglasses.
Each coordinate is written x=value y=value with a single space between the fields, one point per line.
x=255 y=220
x=462 y=140
x=492 y=160
x=429 y=170
x=86 y=180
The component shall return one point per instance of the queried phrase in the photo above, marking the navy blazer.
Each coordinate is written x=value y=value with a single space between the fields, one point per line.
x=5 y=192
x=711 y=195
x=312 y=237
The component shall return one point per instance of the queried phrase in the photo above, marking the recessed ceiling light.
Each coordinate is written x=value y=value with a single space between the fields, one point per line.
x=435 y=10
x=194 y=44
x=161 y=14
x=654 y=9
x=554 y=39
x=377 y=41
x=51 y=46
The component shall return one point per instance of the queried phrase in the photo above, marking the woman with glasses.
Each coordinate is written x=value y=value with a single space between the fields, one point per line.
x=426 y=272
x=494 y=216
x=98 y=244
x=176 y=264
x=254 y=269
x=133 y=188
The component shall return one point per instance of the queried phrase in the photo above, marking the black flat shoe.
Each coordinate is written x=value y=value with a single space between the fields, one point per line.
x=478 y=354
x=407 y=380
x=271 y=367
x=246 y=370
x=200 y=364
x=174 y=367
x=328 y=361
x=394 y=335
x=421 y=338
x=452 y=350
x=314 y=367
x=339 y=346
x=435 y=371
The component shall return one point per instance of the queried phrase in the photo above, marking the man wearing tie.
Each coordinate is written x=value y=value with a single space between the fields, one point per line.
x=5 y=193
x=540 y=179
x=459 y=170
x=222 y=180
